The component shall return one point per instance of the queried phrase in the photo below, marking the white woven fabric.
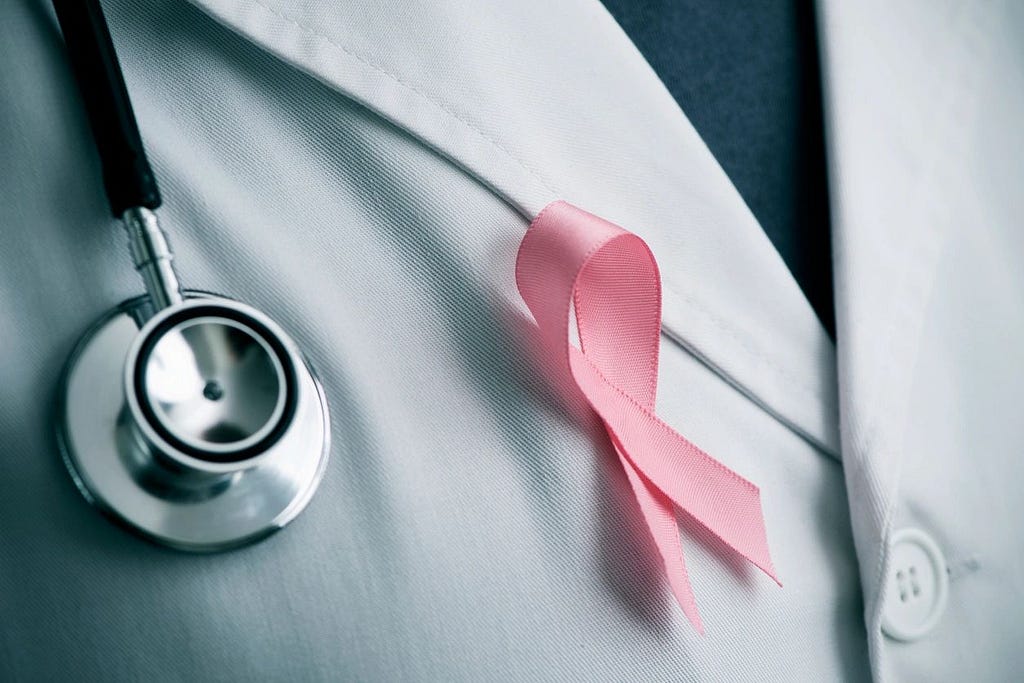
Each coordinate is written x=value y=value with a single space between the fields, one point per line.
x=925 y=103
x=364 y=172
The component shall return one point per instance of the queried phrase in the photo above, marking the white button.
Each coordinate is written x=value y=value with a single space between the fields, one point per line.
x=916 y=587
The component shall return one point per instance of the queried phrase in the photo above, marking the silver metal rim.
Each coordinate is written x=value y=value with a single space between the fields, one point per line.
x=210 y=446
x=295 y=359
x=155 y=490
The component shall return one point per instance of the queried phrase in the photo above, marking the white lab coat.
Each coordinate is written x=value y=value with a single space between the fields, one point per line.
x=364 y=173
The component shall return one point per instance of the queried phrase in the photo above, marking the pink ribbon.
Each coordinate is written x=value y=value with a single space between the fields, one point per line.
x=570 y=258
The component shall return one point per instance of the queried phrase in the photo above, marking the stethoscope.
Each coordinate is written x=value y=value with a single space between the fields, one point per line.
x=190 y=418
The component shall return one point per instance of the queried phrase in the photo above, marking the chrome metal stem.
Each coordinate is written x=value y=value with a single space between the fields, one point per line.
x=152 y=256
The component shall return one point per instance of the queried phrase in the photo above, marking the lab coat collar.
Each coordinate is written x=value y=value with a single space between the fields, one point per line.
x=544 y=101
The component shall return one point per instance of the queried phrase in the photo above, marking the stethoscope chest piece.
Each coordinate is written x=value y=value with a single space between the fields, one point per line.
x=192 y=419
x=201 y=427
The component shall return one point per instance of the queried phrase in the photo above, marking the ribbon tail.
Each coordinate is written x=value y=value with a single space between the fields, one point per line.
x=660 y=516
x=756 y=548
x=740 y=528
x=722 y=501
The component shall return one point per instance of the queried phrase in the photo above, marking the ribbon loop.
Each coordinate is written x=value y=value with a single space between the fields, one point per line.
x=570 y=259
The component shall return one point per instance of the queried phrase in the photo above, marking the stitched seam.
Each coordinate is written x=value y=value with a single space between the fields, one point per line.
x=439 y=103
x=745 y=343
x=730 y=331
x=718 y=322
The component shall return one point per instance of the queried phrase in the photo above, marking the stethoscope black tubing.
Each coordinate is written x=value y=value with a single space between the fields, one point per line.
x=127 y=175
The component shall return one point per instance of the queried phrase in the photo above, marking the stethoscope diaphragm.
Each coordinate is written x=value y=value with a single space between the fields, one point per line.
x=202 y=427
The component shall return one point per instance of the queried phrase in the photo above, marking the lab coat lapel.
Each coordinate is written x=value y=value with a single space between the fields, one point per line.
x=543 y=101
x=892 y=94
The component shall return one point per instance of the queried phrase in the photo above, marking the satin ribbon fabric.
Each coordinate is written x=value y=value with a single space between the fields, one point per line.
x=573 y=260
